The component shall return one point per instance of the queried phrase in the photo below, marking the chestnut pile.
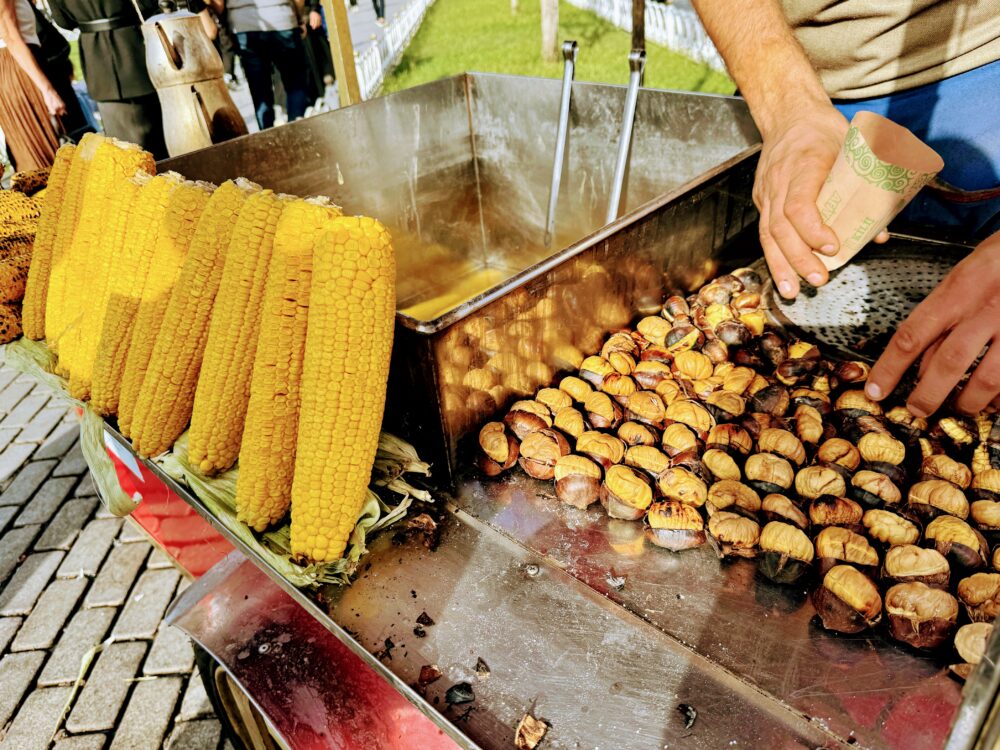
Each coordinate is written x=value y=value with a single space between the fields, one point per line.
x=710 y=426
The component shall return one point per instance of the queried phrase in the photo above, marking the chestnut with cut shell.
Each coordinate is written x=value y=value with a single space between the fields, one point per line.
x=554 y=398
x=721 y=465
x=931 y=498
x=578 y=480
x=605 y=449
x=773 y=400
x=733 y=535
x=829 y=510
x=498 y=449
x=964 y=547
x=674 y=525
x=737 y=380
x=905 y=424
x=646 y=407
x=808 y=424
x=619 y=386
x=669 y=391
x=882 y=452
x=654 y=329
x=779 y=508
x=786 y=553
x=730 y=438
x=980 y=595
x=961 y=431
x=650 y=459
x=692 y=461
x=634 y=433
x=874 y=489
x=733 y=496
x=651 y=373
x=525 y=417
x=716 y=351
x=725 y=405
x=677 y=483
x=620 y=342
x=838 y=546
x=908 y=563
x=692 y=414
x=570 y=421
x=890 y=529
x=986 y=485
x=847 y=601
x=625 y=493
x=679 y=438
x=595 y=369
x=673 y=306
x=602 y=412
x=970 y=643
x=848 y=372
x=782 y=443
x=815 y=481
x=577 y=388
x=985 y=514
x=540 y=451
x=812 y=398
x=768 y=473
x=921 y=616
x=692 y=365
x=839 y=454
x=854 y=403
x=944 y=467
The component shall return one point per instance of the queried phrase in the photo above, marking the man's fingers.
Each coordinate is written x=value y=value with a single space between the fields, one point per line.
x=920 y=330
x=784 y=277
x=882 y=237
x=928 y=355
x=802 y=213
x=799 y=255
x=984 y=385
x=946 y=368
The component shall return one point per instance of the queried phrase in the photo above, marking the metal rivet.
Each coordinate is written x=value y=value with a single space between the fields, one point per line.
x=532 y=570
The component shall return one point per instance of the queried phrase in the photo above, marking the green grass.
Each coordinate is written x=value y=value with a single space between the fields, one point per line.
x=74 y=57
x=483 y=35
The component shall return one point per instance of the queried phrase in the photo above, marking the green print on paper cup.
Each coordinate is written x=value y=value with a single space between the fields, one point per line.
x=880 y=168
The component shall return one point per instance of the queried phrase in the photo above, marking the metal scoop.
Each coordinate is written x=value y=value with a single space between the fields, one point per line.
x=637 y=65
x=569 y=50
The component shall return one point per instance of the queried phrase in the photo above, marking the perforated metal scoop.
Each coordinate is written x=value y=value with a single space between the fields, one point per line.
x=857 y=312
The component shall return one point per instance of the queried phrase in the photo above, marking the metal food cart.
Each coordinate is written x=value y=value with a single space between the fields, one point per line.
x=528 y=605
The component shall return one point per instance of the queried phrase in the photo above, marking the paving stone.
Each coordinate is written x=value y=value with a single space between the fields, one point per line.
x=159 y=560
x=41 y=425
x=17 y=671
x=13 y=545
x=195 y=704
x=7 y=436
x=195 y=735
x=13 y=458
x=7 y=376
x=147 y=715
x=60 y=441
x=29 y=480
x=6 y=514
x=84 y=742
x=46 y=501
x=21 y=415
x=46 y=620
x=146 y=604
x=62 y=530
x=117 y=575
x=85 y=630
x=13 y=393
x=37 y=720
x=86 y=488
x=31 y=577
x=8 y=627
x=171 y=652
x=101 y=699
x=133 y=532
x=72 y=464
x=90 y=548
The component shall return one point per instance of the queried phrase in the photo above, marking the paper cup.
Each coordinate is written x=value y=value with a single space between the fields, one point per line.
x=880 y=168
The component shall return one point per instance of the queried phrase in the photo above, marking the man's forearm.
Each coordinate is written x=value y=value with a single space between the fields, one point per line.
x=764 y=58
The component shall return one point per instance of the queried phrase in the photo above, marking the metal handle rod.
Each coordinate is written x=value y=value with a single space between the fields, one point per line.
x=636 y=64
x=569 y=50
x=972 y=720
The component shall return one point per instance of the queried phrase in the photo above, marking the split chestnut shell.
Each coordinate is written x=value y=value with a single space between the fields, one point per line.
x=786 y=553
x=498 y=449
x=733 y=535
x=674 y=525
x=540 y=451
x=980 y=594
x=908 y=563
x=921 y=616
x=578 y=480
x=625 y=493
x=847 y=601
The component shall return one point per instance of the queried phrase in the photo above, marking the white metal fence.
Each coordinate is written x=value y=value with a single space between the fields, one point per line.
x=375 y=62
x=676 y=27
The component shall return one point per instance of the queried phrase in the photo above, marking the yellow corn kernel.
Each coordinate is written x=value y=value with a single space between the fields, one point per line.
x=220 y=401
x=10 y=321
x=167 y=394
x=14 y=273
x=37 y=289
x=184 y=209
x=141 y=234
x=267 y=451
x=345 y=371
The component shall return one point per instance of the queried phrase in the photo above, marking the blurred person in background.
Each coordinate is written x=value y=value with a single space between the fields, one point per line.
x=321 y=72
x=379 y=6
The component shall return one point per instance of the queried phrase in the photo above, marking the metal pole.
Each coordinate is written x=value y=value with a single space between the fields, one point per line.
x=569 y=50
x=636 y=63
x=342 y=49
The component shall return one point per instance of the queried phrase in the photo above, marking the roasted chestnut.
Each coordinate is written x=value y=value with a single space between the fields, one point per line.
x=733 y=496
x=873 y=489
x=737 y=380
x=733 y=535
x=684 y=338
x=679 y=438
x=785 y=552
x=851 y=372
x=773 y=347
x=907 y=426
x=812 y=398
x=603 y=448
x=669 y=391
x=855 y=403
x=986 y=485
x=890 y=529
x=736 y=332
x=944 y=467
x=650 y=459
x=715 y=293
x=650 y=374
x=882 y=452
x=692 y=461
x=716 y=313
x=692 y=414
x=577 y=388
x=498 y=449
x=673 y=306
x=619 y=386
x=554 y=398
x=602 y=412
x=782 y=443
x=908 y=563
x=839 y=455
x=964 y=547
x=749 y=278
x=594 y=370
x=768 y=473
x=933 y=497
x=634 y=433
x=746 y=302
x=674 y=525
x=960 y=430
x=829 y=510
x=773 y=400
x=620 y=342
x=730 y=438
x=721 y=465
x=754 y=320
x=625 y=493
x=985 y=515
x=716 y=351
x=921 y=616
x=980 y=595
x=808 y=424
x=578 y=480
x=779 y=508
x=570 y=421
x=525 y=417
x=539 y=452
x=847 y=601
x=692 y=365
x=816 y=481
x=970 y=643
x=725 y=406
x=677 y=483
x=654 y=329
x=837 y=546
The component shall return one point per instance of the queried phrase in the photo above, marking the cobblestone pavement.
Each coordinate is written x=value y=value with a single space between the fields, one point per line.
x=73 y=577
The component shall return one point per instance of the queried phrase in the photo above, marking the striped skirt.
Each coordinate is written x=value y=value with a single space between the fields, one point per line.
x=31 y=137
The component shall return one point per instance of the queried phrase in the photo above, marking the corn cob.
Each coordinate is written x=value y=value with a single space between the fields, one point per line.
x=220 y=401
x=167 y=394
x=10 y=321
x=109 y=182
x=56 y=314
x=18 y=212
x=267 y=452
x=127 y=282
x=184 y=208
x=346 y=367
x=31 y=182
x=38 y=275
x=14 y=274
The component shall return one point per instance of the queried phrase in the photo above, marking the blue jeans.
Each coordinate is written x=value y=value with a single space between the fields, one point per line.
x=259 y=50
x=957 y=118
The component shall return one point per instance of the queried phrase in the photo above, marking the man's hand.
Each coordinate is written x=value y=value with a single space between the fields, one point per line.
x=950 y=329
x=53 y=102
x=315 y=20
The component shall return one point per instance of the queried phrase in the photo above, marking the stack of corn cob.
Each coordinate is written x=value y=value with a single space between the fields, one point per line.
x=19 y=208
x=232 y=308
